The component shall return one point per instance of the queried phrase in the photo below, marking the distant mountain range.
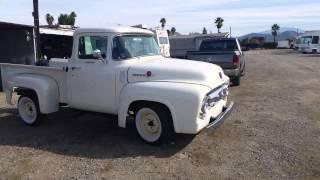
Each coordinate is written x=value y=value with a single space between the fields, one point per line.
x=283 y=34
x=284 y=29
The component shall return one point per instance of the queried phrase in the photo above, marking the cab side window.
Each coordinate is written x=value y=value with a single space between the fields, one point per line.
x=89 y=44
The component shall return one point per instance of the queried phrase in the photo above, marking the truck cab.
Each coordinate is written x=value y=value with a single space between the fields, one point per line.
x=120 y=71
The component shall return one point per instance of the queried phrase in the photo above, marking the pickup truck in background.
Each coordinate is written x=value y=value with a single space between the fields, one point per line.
x=120 y=71
x=225 y=52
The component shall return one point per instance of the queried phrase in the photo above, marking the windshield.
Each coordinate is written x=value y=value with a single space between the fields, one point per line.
x=306 y=39
x=219 y=45
x=129 y=46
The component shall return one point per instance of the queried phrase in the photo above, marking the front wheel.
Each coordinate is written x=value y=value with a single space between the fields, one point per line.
x=154 y=123
x=28 y=109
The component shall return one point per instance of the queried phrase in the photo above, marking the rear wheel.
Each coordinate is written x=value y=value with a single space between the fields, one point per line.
x=243 y=72
x=236 y=80
x=154 y=123
x=28 y=109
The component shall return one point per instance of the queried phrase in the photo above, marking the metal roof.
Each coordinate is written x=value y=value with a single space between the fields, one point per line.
x=199 y=36
x=9 y=25
x=118 y=29
x=53 y=31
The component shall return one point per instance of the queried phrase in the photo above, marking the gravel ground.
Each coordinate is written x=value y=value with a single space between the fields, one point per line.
x=273 y=133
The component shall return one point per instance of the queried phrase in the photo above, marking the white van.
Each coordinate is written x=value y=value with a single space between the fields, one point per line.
x=162 y=39
x=310 y=42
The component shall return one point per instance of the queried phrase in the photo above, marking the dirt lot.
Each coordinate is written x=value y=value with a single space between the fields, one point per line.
x=274 y=133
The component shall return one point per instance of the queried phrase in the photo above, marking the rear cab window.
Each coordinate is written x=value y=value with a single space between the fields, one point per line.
x=219 y=45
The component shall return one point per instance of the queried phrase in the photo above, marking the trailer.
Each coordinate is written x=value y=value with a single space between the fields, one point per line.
x=180 y=45
x=56 y=42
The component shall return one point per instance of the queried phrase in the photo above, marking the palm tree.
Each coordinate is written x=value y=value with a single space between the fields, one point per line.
x=204 y=31
x=65 y=19
x=219 y=23
x=275 y=28
x=49 y=19
x=163 y=22
x=72 y=18
x=173 y=30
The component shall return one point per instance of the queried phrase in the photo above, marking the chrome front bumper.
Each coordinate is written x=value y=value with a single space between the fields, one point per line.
x=222 y=117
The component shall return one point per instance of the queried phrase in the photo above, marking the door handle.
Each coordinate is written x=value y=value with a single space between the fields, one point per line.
x=75 y=68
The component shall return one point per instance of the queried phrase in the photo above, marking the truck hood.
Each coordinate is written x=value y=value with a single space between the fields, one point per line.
x=162 y=69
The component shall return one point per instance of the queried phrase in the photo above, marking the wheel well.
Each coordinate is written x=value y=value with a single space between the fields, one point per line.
x=134 y=106
x=26 y=92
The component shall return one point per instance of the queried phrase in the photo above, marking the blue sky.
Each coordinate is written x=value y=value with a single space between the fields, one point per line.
x=244 y=16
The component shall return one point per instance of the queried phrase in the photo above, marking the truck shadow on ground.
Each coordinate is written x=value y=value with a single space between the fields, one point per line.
x=84 y=135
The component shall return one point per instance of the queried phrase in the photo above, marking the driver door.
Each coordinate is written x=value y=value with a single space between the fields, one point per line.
x=91 y=81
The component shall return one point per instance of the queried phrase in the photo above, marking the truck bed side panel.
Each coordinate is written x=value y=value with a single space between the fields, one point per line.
x=58 y=74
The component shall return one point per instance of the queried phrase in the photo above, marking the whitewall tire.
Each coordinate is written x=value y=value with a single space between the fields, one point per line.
x=28 y=110
x=154 y=123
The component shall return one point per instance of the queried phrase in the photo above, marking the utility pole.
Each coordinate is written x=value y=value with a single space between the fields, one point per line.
x=230 y=32
x=36 y=29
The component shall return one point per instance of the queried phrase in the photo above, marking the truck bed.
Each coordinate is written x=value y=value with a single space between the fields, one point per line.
x=223 y=58
x=56 y=73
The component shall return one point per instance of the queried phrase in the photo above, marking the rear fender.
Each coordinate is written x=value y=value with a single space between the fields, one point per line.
x=45 y=87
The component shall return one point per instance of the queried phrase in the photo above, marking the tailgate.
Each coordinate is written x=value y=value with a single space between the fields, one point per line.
x=223 y=59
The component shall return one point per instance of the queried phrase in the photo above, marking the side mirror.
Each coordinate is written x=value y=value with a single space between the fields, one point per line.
x=97 y=54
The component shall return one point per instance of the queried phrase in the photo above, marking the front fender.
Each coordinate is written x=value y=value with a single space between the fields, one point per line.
x=182 y=99
x=45 y=87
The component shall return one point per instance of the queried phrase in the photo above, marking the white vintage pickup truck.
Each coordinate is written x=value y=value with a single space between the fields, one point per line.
x=120 y=71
